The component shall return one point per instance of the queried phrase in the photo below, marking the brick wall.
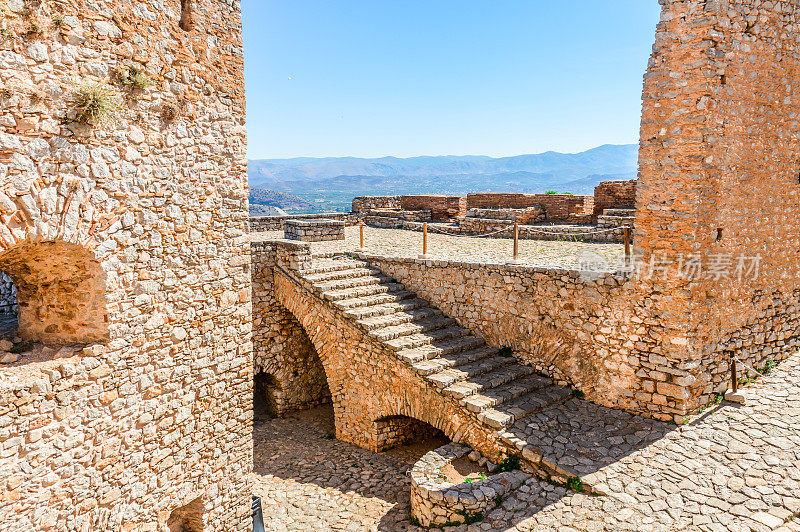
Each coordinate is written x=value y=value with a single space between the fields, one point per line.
x=614 y=195
x=442 y=207
x=143 y=221
x=718 y=181
x=559 y=208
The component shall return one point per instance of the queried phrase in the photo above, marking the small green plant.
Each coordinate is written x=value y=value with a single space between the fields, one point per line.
x=578 y=394
x=769 y=366
x=718 y=397
x=21 y=347
x=575 y=484
x=58 y=21
x=133 y=76
x=510 y=463
x=551 y=192
x=498 y=501
x=482 y=476
x=95 y=104
x=506 y=352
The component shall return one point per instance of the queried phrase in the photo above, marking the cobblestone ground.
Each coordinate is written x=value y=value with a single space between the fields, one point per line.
x=403 y=243
x=734 y=468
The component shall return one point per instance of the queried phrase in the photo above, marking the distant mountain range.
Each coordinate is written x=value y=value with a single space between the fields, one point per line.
x=331 y=183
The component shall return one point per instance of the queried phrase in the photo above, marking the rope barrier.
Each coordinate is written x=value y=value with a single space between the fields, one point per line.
x=526 y=229
x=748 y=366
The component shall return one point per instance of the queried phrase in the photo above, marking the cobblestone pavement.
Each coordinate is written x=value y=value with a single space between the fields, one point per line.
x=734 y=468
x=403 y=243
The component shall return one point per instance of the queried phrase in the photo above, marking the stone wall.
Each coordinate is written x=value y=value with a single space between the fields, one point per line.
x=581 y=331
x=364 y=204
x=281 y=348
x=321 y=230
x=442 y=208
x=259 y=224
x=559 y=208
x=719 y=181
x=141 y=221
x=614 y=195
x=8 y=295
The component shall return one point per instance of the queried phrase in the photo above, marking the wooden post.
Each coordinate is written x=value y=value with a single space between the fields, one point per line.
x=516 y=242
x=424 y=241
x=360 y=236
x=734 y=380
x=627 y=233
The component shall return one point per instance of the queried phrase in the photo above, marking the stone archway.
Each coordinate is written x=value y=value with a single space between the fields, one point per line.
x=60 y=292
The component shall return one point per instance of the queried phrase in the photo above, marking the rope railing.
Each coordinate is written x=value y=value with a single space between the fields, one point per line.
x=515 y=235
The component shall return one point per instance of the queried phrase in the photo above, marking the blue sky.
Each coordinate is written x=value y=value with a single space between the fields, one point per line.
x=443 y=77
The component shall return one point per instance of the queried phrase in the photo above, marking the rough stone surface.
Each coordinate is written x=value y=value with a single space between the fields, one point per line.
x=320 y=230
x=129 y=235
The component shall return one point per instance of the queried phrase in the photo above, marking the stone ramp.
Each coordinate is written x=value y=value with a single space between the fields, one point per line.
x=495 y=390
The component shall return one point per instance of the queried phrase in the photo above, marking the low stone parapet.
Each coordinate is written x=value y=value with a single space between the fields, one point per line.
x=436 y=502
x=313 y=230
x=260 y=224
x=527 y=215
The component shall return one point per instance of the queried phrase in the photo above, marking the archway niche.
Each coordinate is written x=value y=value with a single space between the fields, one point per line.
x=266 y=396
x=60 y=292
x=188 y=518
x=393 y=431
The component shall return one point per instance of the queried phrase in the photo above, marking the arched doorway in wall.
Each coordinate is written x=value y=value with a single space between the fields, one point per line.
x=395 y=431
x=52 y=300
x=9 y=309
x=266 y=390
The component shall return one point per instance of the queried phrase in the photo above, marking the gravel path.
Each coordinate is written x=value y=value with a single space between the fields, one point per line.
x=734 y=468
x=403 y=243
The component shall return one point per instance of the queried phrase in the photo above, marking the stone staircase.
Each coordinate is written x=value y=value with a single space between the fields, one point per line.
x=497 y=390
x=617 y=218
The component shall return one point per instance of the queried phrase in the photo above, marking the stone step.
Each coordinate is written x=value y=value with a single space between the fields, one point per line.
x=326 y=266
x=506 y=414
x=397 y=318
x=362 y=291
x=387 y=309
x=447 y=377
x=619 y=212
x=450 y=348
x=407 y=329
x=455 y=360
x=487 y=381
x=351 y=282
x=498 y=395
x=418 y=340
x=340 y=274
x=379 y=299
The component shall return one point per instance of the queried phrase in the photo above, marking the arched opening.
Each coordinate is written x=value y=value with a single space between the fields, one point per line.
x=9 y=310
x=393 y=431
x=187 y=518
x=52 y=299
x=266 y=396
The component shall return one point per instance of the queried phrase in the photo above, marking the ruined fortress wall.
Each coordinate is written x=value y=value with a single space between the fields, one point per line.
x=442 y=207
x=614 y=195
x=364 y=204
x=150 y=213
x=563 y=208
x=719 y=182
x=281 y=348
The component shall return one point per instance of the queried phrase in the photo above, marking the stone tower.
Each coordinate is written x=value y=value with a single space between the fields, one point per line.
x=123 y=202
